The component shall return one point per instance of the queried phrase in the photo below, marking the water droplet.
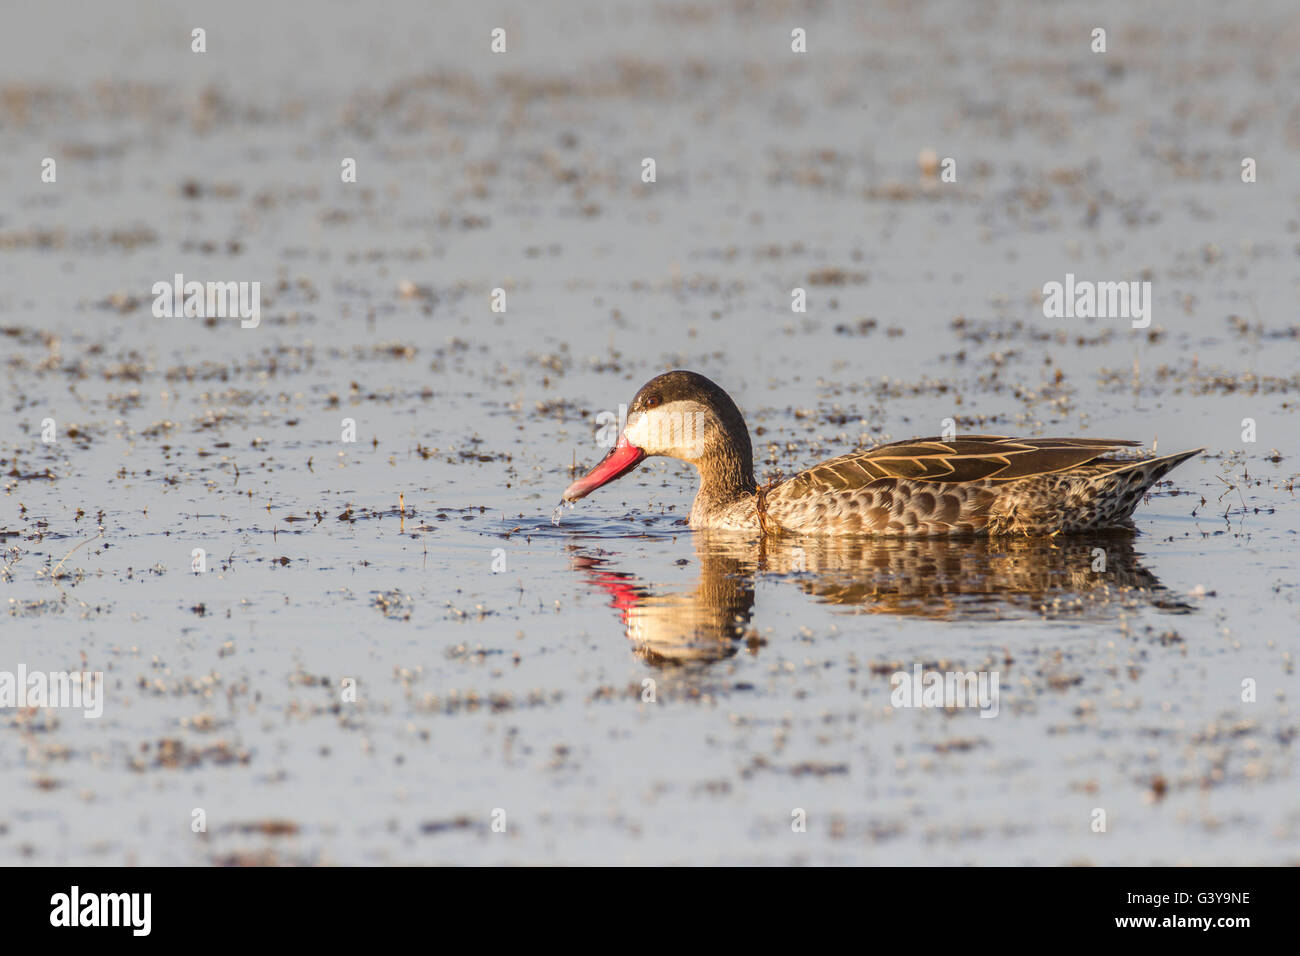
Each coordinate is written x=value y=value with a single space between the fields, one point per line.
x=559 y=510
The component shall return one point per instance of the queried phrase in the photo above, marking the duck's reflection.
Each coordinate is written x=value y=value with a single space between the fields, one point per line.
x=991 y=579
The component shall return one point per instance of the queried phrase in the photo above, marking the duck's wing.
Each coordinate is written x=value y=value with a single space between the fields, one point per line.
x=964 y=458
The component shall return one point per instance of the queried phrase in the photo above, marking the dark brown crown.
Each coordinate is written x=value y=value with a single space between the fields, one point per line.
x=681 y=385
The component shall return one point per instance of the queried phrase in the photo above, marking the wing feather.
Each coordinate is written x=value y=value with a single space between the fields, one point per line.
x=964 y=458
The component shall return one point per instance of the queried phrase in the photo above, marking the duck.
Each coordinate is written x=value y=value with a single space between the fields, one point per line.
x=966 y=485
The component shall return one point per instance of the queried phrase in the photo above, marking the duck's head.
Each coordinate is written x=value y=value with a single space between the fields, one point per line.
x=680 y=415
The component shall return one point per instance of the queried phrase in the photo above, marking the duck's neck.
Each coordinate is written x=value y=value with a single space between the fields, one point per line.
x=726 y=476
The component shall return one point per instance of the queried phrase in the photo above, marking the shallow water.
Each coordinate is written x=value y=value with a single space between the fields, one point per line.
x=501 y=660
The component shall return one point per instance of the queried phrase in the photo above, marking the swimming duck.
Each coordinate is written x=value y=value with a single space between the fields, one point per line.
x=968 y=485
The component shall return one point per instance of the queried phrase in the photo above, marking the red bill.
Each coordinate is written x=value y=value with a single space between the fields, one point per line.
x=621 y=459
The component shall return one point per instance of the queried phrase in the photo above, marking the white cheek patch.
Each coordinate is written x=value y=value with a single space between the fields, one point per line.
x=677 y=430
x=636 y=432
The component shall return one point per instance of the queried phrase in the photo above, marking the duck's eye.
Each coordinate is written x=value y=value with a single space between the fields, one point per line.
x=652 y=401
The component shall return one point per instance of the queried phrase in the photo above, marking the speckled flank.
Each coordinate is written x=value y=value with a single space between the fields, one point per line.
x=1096 y=495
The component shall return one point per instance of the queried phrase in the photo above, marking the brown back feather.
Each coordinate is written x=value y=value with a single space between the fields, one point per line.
x=964 y=458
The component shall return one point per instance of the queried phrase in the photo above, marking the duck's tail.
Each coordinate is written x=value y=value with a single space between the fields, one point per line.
x=1145 y=472
x=1121 y=488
